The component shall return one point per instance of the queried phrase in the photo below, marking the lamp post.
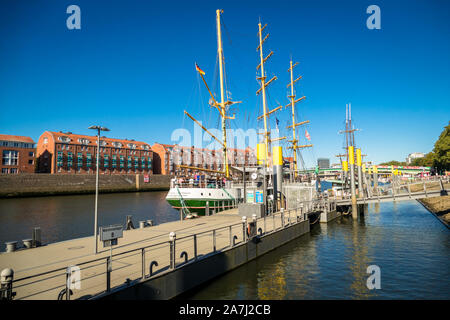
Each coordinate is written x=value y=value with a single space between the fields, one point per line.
x=98 y=128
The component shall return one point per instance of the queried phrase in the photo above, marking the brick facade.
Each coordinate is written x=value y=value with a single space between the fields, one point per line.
x=59 y=152
x=167 y=157
x=18 y=154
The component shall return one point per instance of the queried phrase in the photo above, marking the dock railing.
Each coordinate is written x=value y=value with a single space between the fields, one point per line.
x=96 y=277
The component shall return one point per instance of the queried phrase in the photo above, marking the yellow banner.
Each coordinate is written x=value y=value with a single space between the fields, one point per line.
x=277 y=156
x=345 y=165
x=358 y=157
x=351 y=155
x=260 y=152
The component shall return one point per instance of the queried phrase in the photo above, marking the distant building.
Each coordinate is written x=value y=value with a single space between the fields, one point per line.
x=323 y=163
x=169 y=157
x=415 y=155
x=69 y=153
x=18 y=154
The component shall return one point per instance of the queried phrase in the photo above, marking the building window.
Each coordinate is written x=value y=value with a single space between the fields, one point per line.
x=31 y=154
x=13 y=170
x=30 y=161
x=114 y=161
x=88 y=160
x=5 y=170
x=64 y=139
x=106 y=161
x=83 y=141
x=69 y=160
x=122 y=160
x=59 y=160
x=10 y=157
x=80 y=160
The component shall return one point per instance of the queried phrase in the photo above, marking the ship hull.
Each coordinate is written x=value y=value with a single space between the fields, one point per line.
x=196 y=199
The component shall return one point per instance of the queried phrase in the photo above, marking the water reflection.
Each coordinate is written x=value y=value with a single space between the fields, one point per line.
x=407 y=242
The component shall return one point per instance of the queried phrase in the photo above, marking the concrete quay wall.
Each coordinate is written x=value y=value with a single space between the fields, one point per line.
x=186 y=277
x=43 y=184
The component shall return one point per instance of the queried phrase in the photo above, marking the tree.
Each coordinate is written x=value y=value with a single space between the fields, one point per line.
x=427 y=161
x=442 y=150
x=393 y=163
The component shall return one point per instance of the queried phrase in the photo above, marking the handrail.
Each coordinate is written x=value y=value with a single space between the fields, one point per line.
x=142 y=249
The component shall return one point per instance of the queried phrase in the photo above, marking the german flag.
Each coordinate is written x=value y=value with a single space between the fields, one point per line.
x=198 y=69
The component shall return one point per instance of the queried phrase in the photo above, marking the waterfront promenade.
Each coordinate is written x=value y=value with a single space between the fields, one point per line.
x=40 y=273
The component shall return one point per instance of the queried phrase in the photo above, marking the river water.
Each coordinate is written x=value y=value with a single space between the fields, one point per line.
x=68 y=217
x=409 y=245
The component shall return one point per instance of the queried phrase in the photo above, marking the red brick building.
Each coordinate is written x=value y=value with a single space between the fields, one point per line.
x=59 y=152
x=167 y=157
x=18 y=154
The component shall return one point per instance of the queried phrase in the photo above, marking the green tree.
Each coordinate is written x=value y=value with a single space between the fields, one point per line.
x=427 y=161
x=393 y=163
x=442 y=150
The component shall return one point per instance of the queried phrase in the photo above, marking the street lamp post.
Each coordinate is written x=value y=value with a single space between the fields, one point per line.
x=98 y=128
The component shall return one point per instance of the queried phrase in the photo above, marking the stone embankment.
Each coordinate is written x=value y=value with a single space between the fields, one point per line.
x=43 y=184
x=440 y=206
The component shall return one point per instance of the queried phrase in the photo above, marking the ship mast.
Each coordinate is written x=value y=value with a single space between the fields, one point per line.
x=222 y=95
x=294 y=140
x=220 y=106
x=262 y=90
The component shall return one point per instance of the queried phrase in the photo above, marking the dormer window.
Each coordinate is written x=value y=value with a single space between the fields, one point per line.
x=64 y=139
x=145 y=147
x=131 y=146
x=117 y=144
x=103 y=143
x=83 y=141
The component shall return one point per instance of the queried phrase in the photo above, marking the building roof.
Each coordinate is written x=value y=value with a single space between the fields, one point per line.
x=93 y=140
x=7 y=137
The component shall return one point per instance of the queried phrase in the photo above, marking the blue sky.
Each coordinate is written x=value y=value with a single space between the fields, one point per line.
x=131 y=68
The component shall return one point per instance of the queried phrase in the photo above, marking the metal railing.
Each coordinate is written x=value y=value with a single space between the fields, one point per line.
x=397 y=188
x=105 y=274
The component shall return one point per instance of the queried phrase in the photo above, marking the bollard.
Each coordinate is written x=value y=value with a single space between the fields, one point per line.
x=142 y=224
x=11 y=246
x=6 y=282
x=207 y=208
x=172 y=238
x=36 y=236
x=129 y=224
x=150 y=223
x=28 y=243
x=244 y=224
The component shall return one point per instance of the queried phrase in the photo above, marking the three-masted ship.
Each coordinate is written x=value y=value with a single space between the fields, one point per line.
x=193 y=197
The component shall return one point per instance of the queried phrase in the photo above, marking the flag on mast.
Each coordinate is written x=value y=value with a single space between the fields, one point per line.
x=307 y=135
x=198 y=69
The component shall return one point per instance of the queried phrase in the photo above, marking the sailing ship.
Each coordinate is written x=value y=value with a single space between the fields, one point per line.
x=194 y=197
x=217 y=194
